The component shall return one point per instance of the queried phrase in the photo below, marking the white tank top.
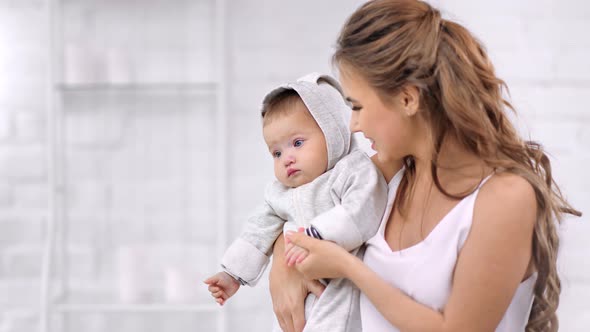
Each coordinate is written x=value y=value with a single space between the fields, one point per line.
x=424 y=271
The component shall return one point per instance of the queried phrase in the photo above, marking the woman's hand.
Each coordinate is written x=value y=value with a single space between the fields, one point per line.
x=326 y=259
x=288 y=289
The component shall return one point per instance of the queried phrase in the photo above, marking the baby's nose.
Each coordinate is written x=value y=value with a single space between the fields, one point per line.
x=288 y=159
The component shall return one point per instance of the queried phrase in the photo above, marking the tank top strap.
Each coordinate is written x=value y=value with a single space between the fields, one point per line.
x=466 y=209
x=485 y=180
x=470 y=199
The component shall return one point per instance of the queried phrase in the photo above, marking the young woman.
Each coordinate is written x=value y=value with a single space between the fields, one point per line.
x=469 y=241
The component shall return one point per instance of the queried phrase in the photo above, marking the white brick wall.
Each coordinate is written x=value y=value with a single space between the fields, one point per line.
x=540 y=48
x=22 y=159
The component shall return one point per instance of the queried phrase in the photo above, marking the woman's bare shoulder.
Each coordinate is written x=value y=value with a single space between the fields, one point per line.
x=504 y=199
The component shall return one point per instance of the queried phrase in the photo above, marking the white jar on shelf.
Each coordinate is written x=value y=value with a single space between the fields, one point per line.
x=133 y=274
x=82 y=65
x=181 y=284
x=118 y=66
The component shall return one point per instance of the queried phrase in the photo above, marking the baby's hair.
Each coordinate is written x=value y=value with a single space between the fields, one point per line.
x=280 y=104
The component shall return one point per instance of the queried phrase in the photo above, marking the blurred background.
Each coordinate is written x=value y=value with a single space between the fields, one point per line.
x=131 y=150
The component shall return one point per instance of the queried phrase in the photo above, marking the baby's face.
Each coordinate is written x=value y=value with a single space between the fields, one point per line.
x=298 y=147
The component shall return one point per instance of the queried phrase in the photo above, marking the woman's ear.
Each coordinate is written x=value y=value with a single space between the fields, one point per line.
x=410 y=98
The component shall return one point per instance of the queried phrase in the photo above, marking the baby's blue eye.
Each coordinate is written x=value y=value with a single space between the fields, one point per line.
x=298 y=143
x=276 y=154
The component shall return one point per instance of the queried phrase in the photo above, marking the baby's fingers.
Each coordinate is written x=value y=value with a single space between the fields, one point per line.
x=220 y=297
x=290 y=249
x=302 y=256
x=219 y=294
x=296 y=255
x=292 y=254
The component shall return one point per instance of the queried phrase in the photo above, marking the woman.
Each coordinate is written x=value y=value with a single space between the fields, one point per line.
x=469 y=240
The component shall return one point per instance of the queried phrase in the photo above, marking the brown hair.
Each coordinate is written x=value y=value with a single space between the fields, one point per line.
x=392 y=43
x=280 y=104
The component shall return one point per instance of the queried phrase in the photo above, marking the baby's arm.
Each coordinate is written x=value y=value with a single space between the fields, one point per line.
x=247 y=257
x=363 y=197
x=222 y=286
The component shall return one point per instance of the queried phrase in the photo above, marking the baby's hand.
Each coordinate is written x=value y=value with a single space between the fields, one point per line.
x=222 y=286
x=295 y=254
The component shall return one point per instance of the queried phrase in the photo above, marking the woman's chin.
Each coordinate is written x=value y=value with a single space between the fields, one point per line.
x=388 y=159
x=383 y=158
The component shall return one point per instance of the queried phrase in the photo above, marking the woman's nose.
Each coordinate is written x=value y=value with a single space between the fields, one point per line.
x=354 y=122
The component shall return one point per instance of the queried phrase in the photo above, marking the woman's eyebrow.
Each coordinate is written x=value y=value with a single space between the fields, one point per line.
x=351 y=100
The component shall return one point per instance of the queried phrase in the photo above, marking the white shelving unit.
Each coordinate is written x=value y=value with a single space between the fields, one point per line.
x=116 y=82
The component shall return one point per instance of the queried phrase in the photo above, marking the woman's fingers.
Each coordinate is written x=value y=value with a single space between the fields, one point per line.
x=315 y=287
x=288 y=291
x=291 y=315
x=285 y=320
x=281 y=322
x=299 y=319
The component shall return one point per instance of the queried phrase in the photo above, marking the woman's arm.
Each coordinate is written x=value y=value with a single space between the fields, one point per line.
x=490 y=266
x=288 y=290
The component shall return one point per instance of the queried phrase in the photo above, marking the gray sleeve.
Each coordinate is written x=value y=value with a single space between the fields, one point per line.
x=247 y=257
x=363 y=200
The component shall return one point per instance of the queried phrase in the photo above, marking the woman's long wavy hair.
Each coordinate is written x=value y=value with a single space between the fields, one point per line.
x=392 y=43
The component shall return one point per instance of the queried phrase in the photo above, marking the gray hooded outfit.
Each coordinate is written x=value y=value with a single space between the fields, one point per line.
x=345 y=204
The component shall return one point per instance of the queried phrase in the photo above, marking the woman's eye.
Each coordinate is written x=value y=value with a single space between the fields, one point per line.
x=298 y=143
x=356 y=108
x=276 y=154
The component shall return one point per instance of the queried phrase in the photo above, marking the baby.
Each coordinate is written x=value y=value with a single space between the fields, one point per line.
x=324 y=184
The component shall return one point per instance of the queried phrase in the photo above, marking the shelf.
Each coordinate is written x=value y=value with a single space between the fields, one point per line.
x=150 y=308
x=135 y=102
x=201 y=87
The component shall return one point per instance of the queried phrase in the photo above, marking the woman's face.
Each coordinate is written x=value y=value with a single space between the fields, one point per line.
x=388 y=125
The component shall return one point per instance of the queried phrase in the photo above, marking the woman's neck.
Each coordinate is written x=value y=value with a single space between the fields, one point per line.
x=457 y=169
x=388 y=169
